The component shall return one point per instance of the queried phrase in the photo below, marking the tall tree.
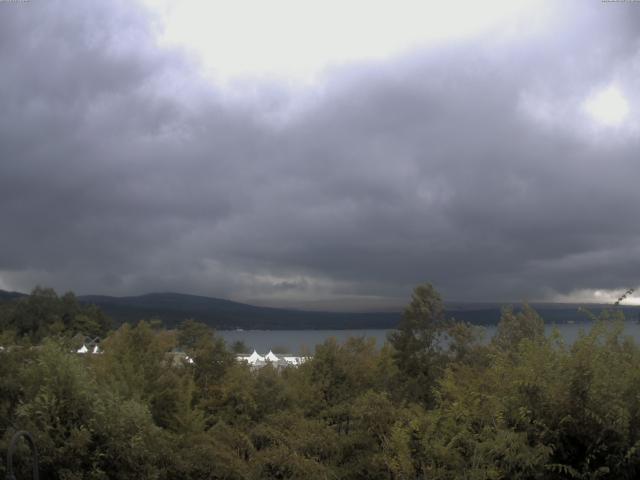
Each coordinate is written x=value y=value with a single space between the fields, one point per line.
x=418 y=342
x=515 y=327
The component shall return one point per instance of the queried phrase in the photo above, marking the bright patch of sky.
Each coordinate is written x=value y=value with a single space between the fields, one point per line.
x=296 y=40
x=600 y=115
x=608 y=107
x=597 y=296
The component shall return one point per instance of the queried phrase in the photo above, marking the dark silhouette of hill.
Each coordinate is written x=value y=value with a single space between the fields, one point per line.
x=173 y=308
x=4 y=295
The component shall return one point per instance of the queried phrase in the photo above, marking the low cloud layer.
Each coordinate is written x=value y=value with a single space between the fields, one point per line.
x=477 y=165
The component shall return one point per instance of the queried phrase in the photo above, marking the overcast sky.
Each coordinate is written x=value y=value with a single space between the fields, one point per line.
x=321 y=154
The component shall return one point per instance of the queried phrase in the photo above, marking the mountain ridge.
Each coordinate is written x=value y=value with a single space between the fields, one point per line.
x=223 y=314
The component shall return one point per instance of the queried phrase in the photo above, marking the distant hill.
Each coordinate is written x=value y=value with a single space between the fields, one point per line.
x=173 y=308
x=552 y=313
x=4 y=295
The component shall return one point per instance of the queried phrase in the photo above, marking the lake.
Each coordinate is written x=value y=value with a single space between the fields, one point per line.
x=299 y=341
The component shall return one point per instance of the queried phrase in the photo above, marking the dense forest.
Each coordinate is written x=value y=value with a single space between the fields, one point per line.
x=435 y=402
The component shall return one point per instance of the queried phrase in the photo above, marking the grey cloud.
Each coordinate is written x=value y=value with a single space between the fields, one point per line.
x=121 y=172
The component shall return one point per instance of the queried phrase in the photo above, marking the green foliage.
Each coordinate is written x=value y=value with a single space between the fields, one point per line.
x=515 y=327
x=211 y=360
x=192 y=333
x=43 y=314
x=434 y=402
x=81 y=430
x=417 y=343
x=239 y=347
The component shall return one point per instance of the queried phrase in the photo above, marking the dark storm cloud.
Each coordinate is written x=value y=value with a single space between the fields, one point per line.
x=472 y=166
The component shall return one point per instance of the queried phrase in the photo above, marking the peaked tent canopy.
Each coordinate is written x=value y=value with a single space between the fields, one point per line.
x=254 y=358
x=271 y=357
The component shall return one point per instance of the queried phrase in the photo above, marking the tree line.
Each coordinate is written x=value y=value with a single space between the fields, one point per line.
x=434 y=402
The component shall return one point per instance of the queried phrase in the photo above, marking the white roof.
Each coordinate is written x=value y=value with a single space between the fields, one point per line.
x=295 y=360
x=271 y=357
x=254 y=357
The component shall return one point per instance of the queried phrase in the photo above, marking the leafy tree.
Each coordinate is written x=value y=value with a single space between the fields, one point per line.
x=434 y=402
x=336 y=374
x=219 y=453
x=209 y=354
x=231 y=399
x=417 y=343
x=281 y=463
x=192 y=333
x=515 y=327
x=270 y=392
x=81 y=430
x=136 y=365
x=43 y=314
x=465 y=344
x=239 y=347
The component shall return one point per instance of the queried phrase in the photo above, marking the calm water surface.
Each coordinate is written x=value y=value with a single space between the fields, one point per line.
x=300 y=341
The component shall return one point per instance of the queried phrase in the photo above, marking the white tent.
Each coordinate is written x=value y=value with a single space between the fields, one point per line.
x=95 y=349
x=83 y=349
x=255 y=358
x=271 y=357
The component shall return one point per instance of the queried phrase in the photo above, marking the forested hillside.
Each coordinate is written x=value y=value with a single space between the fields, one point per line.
x=522 y=406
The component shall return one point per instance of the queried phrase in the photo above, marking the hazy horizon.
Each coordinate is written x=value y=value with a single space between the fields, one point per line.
x=347 y=305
